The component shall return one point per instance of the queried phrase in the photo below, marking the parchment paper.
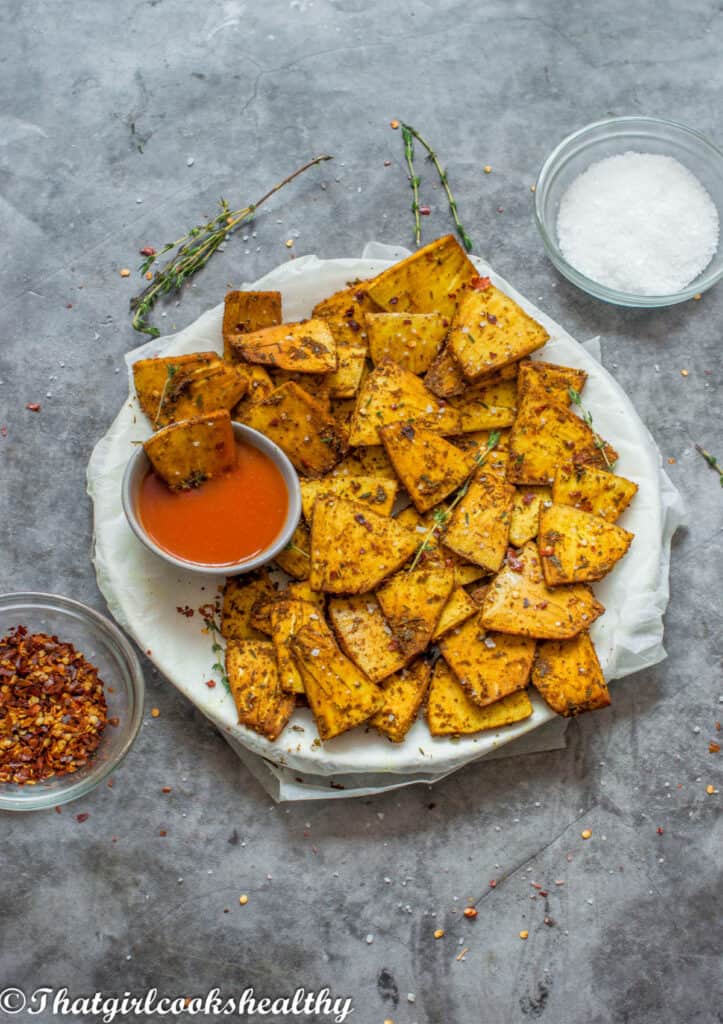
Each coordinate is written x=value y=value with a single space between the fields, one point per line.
x=143 y=592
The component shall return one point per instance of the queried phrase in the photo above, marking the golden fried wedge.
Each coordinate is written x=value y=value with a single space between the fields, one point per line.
x=300 y=590
x=428 y=281
x=568 y=676
x=403 y=696
x=457 y=610
x=547 y=382
x=259 y=386
x=242 y=595
x=450 y=712
x=185 y=454
x=353 y=549
x=287 y=616
x=547 y=435
x=593 y=490
x=371 y=461
x=429 y=467
x=246 y=312
x=348 y=305
x=479 y=527
x=390 y=394
x=412 y=603
x=488 y=404
x=488 y=665
x=365 y=636
x=340 y=695
x=345 y=380
x=254 y=680
x=489 y=331
x=153 y=378
x=304 y=347
x=519 y=601
x=578 y=547
x=525 y=517
x=375 y=491
x=295 y=559
x=205 y=389
x=412 y=340
x=298 y=424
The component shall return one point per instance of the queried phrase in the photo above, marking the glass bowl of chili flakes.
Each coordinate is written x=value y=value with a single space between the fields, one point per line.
x=71 y=700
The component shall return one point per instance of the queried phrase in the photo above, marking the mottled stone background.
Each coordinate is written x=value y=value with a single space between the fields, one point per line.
x=121 y=124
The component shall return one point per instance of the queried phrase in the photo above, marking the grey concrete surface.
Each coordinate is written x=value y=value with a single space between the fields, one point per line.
x=104 y=106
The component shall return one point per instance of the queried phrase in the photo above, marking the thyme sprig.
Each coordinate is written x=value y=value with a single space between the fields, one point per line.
x=211 y=613
x=194 y=250
x=413 y=180
x=587 y=418
x=712 y=462
x=414 y=134
x=441 y=515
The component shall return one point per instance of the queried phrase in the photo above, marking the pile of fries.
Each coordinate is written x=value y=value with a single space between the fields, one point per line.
x=455 y=505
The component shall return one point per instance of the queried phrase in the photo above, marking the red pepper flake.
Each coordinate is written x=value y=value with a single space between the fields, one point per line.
x=470 y=912
x=515 y=564
x=359 y=518
x=33 y=406
x=660 y=830
x=53 y=707
x=480 y=284
x=162 y=832
x=387 y=163
x=717 y=726
x=548 y=921
x=527 y=499
x=166 y=789
x=542 y=605
x=3 y=431
x=68 y=305
x=110 y=783
x=491 y=319
x=543 y=893
x=82 y=817
x=713 y=747
x=493 y=883
x=185 y=610
x=425 y=210
x=147 y=250
x=58 y=810
x=211 y=683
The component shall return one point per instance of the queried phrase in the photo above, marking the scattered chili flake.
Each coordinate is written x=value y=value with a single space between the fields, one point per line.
x=470 y=912
x=53 y=707
x=33 y=406
x=184 y=610
x=3 y=431
x=110 y=783
x=387 y=163
x=480 y=284
x=394 y=124
x=660 y=830
x=147 y=250
x=58 y=810
x=155 y=713
x=713 y=747
x=211 y=683
x=125 y=272
x=493 y=883
x=166 y=789
x=586 y=833
x=162 y=832
x=548 y=921
x=68 y=305
x=82 y=817
x=425 y=210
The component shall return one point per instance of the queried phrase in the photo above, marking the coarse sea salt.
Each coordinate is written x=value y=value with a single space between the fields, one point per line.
x=641 y=223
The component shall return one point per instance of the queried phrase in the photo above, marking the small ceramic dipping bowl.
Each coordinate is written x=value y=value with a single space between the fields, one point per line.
x=139 y=466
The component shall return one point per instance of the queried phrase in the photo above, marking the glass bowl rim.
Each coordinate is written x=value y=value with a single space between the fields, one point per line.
x=123 y=649
x=594 y=288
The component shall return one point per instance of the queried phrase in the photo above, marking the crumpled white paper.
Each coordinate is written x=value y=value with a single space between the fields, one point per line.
x=143 y=592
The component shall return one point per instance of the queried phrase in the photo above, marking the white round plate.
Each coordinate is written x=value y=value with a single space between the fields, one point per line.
x=144 y=593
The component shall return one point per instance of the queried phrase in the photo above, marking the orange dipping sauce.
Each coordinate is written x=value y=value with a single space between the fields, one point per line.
x=227 y=519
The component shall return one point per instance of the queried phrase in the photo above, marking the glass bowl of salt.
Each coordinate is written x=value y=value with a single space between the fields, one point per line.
x=629 y=210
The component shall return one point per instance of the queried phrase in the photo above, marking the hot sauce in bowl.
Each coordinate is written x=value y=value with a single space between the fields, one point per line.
x=233 y=522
